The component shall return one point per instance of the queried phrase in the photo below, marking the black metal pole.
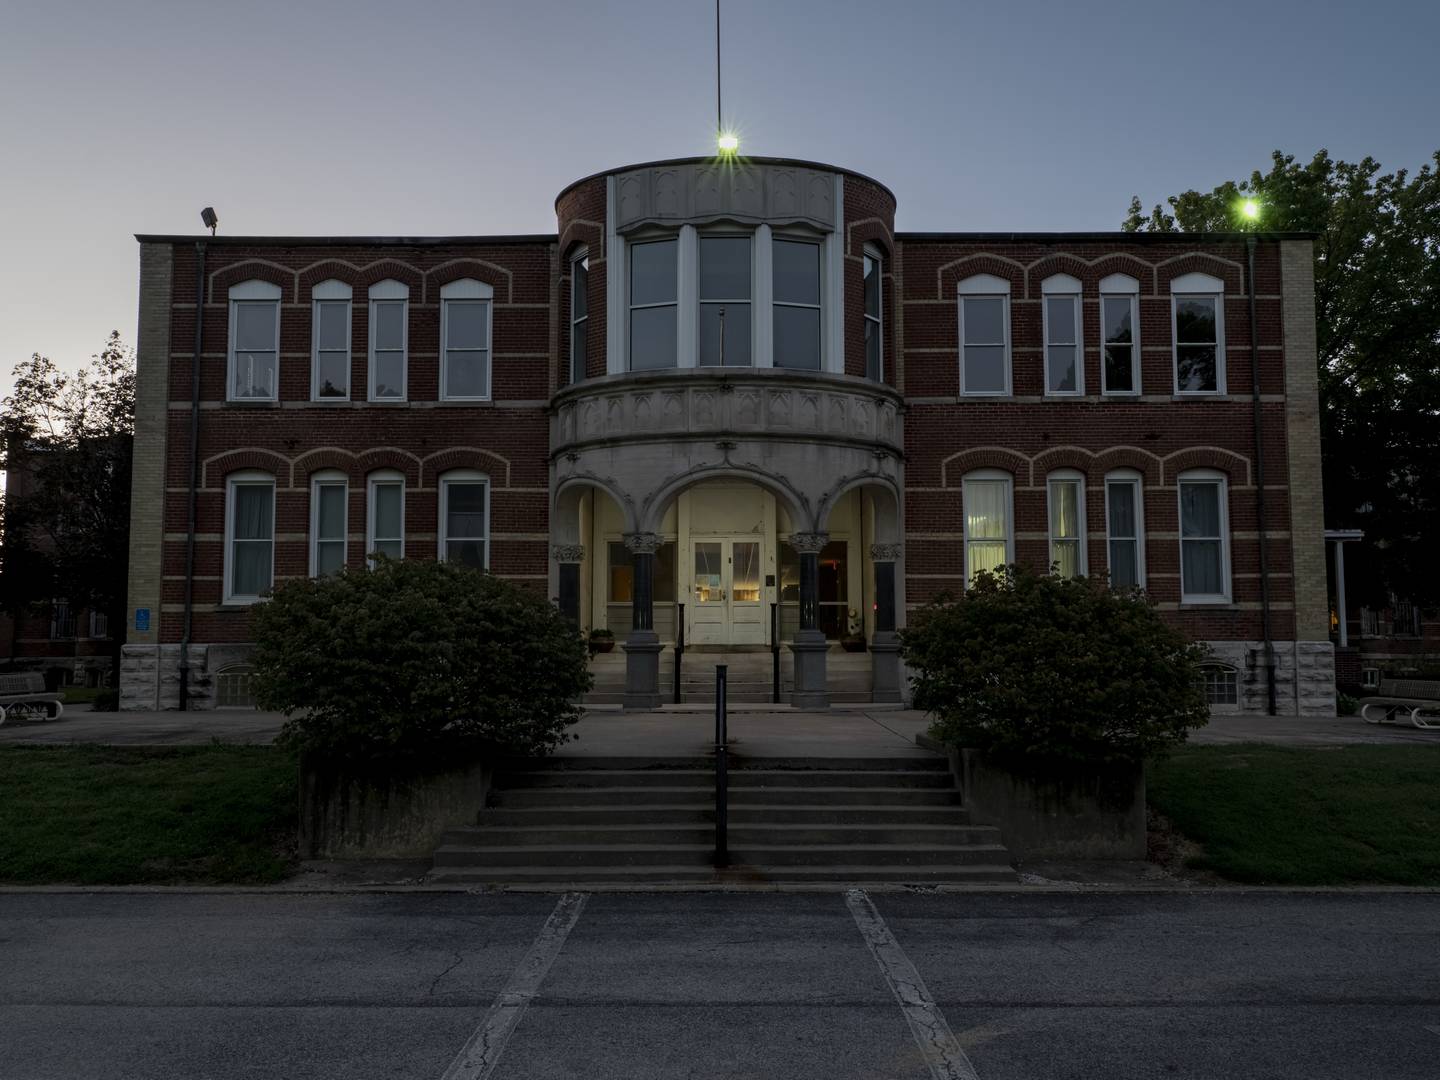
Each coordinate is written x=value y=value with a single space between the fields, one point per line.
x=775 y=653
x=1260 y=482
x=722 y=850
x=679 y=646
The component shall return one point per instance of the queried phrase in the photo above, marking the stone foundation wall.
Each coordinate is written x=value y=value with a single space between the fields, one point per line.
x=1304 y=676
x=150 y=674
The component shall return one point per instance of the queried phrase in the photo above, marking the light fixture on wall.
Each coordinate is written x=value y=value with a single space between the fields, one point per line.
x=209 y=217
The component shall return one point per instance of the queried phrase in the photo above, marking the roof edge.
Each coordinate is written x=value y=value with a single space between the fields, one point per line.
x=741 y=159
x=349 y=241
x=1116 y=237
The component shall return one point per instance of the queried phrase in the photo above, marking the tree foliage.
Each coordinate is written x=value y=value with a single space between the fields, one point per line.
x=67 y=521
x=415 y=663
x=1377 y=299
x=1054 y=669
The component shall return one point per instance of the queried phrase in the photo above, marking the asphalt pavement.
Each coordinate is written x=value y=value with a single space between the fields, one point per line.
x=999 y=986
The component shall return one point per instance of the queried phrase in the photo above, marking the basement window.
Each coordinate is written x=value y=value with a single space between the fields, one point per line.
x=1222 y=684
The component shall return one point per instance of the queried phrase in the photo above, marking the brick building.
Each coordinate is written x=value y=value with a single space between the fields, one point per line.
x=720 y=386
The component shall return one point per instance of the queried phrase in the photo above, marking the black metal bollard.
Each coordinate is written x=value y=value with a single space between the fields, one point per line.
x=722 y=851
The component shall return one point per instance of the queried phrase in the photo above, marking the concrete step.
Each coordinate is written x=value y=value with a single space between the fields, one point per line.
x=701 y=853
x=664 y=831
x=521 y=798
x=739 y=778
x=698 y=853
x=702 y=812
x=564 y=762
x=840 y=876
x=869 y=855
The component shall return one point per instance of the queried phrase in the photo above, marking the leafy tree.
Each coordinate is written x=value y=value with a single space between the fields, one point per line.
x=1053 y=670
x=1377 y=299
x=68 y=534
x=416 y=663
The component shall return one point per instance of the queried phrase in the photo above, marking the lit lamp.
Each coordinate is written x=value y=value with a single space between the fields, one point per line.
x=1250 y=209
x=728 y=142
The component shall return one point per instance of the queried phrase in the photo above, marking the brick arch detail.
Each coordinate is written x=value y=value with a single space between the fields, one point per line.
x=328 y=457
x=591 y=235
x=389 y=457
x=253 y=270
x=954 y=468
x=1128 y=457
x=384 y=269
x=1125 y=263
x=871 y=230
x=1060 y=262
x=247 y=457
x=952 y=273
x=467 y=457
x=497 y=277
x=325 y=270
x=1233 y=465
x=1199 y=262
x=1063 y=457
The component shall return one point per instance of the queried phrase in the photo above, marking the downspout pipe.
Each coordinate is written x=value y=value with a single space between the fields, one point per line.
x=1250 y=242
x=190 y=495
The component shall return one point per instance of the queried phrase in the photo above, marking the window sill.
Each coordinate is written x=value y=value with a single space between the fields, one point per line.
x=1218 y=602
x=253 y=403
x=237 y=605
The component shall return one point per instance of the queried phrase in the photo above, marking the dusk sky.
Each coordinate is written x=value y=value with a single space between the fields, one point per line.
x=448 y=118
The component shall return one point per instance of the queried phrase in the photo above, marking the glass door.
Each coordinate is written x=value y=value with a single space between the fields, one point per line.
x=709 y=609
x=748 y=615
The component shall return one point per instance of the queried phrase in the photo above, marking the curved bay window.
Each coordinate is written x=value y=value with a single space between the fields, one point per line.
x=654 y=295
x=725 y=298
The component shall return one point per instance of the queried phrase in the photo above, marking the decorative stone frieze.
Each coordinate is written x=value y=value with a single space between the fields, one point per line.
x=643 y=543
x=699 y=192
x=886 y=552
x=568 y=553
x=809 y=543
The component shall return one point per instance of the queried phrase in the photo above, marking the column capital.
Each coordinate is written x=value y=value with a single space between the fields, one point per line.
x=568 y=553
x=809 y=543
x=886 y=552
x=642 y=543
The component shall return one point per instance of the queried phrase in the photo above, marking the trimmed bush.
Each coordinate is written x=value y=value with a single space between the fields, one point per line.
x=415 y=664
x=1050 y=669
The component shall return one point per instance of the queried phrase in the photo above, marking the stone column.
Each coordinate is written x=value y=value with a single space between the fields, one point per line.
x=885 y=643
x=812 y=688
x=642 y=647
x=569 y=557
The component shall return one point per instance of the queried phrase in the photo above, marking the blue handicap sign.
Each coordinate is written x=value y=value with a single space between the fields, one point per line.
x=142 y=618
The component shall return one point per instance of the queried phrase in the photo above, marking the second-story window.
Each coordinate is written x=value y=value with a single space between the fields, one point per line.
x=579 y=314
x=874 y=350
x=330 y=344
x=653 y=292
x=254 y=341
x=984 y=335
x=465 y=340
x=1064 y=373
x=725 y=297
x=796 y=299
x=1119 y=335
x=1199 y=329
x=1204 y=538
x=389 y=307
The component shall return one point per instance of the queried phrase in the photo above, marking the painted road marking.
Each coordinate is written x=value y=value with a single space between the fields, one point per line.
x=482 y=1051
x=938 y=1045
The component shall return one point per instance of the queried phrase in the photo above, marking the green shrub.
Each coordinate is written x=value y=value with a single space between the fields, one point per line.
x=1345 y=705
x=417 y=663
x=1052 y=669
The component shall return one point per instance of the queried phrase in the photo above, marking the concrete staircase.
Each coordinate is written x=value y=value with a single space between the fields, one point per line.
x=617 y=820
x=749 y=678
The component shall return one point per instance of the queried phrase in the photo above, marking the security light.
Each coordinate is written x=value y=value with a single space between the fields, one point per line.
x=1251 y=209
x=208 y=217
x=729 y=142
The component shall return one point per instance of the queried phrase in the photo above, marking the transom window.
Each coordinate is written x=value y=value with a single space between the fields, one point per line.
x=1204 y=538
x=465 y=340
x=984 y=335
x=1119 y=335
x=1199 y=331
x=989 y=522
x=653 y=299
x=874 y=349
x=579 y=314
x=1064 y=358
x=330 y=345
x=1124 y=530
x=249 y=537
x=385 y=516
x=254 y=351
x=725 y=296
x=796 y=300
x=329 y=505
x=464 y=518
x=1067 y=524
x=389 y=310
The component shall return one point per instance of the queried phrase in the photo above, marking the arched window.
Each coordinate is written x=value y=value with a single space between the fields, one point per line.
x=989 y=521
x=465 y=307
x=1204 y=537
x=984 y=303
x=1064 y=353
x=389 y=321
x=1222 y=685
x=330 y=341
x=1198 y=302
x=385 y=515
x=579 y=312
x=1125 y=528
x=465 y=518
x=1119 y=335
x=873 y=267
x=1065 y=491
x=254 y=349
x=249 y=536
x=329 y=515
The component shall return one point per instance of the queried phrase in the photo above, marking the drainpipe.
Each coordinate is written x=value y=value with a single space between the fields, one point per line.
x=1260 y=482
x=194 y=471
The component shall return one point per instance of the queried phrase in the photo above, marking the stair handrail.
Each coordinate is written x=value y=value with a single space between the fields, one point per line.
x=722 y=850
x=679 y=647
x=775 y=652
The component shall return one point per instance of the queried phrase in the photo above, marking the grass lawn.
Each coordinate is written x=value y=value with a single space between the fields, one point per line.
x=79 y=695
x=102 y=815
x=1281 y=816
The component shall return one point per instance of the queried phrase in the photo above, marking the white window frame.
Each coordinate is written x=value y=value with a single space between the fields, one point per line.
x=1200 y=287
x=1068 y=476
x=679 y=303
x=1134 y=479
x=250 y=478
x=467 y=291
x=581 y=325
x=250 y=292
x=330 y=292
x=982 y=287
x=821 y=245
x=1064 y=287
x=752 y=303
x=377 y=479
x=390 y=291
x=323 y=479
x=1121 y=287
x=988 y=476
x=873 y=253
x=96 y=631
x=1205 y=476
x=448 y=480
x=1230 y=674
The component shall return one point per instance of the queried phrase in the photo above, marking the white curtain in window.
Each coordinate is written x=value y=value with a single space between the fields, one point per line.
x=1201 y=562
x=1065 y=527
x=987 y=524
x=254 y=536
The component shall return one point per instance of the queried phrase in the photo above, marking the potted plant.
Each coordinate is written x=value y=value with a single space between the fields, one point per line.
x=601 y=640
x=854 y=639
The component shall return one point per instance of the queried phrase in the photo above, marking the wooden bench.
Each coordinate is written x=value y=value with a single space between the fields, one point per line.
x=1416 y=700
x=23 y=695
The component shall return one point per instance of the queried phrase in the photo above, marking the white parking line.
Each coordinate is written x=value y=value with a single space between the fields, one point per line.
x=937 y=1042
x=482 y=1050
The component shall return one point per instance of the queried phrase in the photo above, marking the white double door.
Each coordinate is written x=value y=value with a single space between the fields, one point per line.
x=725 y=605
